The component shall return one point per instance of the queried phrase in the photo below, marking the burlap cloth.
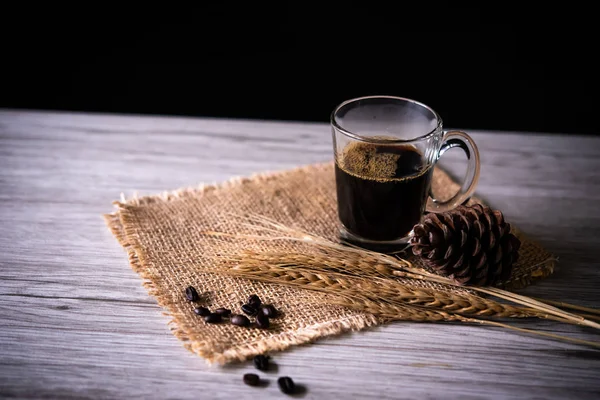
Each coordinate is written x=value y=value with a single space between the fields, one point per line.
x=163 y=236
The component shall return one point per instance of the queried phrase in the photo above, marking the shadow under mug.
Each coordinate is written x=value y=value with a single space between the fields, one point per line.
x=385 y=150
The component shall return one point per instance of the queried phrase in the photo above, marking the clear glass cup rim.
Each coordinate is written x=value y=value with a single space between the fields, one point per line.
x=359 y=137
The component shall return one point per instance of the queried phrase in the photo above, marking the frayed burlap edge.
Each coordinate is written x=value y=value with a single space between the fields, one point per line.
x=116 y=223
x=539 y=271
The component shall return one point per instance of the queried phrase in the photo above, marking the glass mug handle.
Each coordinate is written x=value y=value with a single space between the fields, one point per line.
x=465 y=142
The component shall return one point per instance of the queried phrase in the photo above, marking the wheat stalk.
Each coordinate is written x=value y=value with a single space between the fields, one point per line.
x=543 y=307
x=327 y=260
x=395 y=266
x=265 y=225
x=571 y=306
x=358 y=266
x=418 y=314
x=382 y=290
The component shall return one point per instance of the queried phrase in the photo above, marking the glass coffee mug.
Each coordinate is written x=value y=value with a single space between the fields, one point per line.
x=385 y=151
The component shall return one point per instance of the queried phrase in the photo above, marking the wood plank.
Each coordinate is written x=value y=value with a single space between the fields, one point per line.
x=76 y=322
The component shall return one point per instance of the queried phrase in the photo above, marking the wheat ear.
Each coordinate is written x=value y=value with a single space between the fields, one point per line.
x=383 y=290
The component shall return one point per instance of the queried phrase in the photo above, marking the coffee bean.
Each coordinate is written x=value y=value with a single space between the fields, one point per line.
x=286 y=384
x=240 y=320
x=262 y=321
x=213 y=318
x=191 y=294
x=254 y=300
x=202 y=311
x=223 y=311
x=251 y=379
x=268 y=311
x=249 y=309
x=261 y=362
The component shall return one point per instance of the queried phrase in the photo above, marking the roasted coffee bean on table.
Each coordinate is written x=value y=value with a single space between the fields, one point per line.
x=191 y=294
x=261 y=362
x=268 y=310
x=223 y=311
x=286 y=384
x=251 y=379
x=213 y=318
x=262 y=321
x=202 y=311
x=249 y=309
x=240 y=320
x=254 y=300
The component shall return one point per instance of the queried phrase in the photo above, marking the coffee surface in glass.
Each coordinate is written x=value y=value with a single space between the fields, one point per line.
x=382 y=189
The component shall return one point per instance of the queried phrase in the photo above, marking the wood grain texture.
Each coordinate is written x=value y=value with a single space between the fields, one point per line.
x=76 y=322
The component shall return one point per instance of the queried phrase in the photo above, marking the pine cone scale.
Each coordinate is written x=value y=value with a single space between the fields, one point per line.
x=463 y=238
x=434 y=239
x=449 y=252
x=476 y=247
x=481 y=262
x=499 y=217
x=491 y=240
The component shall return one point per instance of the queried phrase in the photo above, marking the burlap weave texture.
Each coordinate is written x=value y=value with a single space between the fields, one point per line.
x=165 y=241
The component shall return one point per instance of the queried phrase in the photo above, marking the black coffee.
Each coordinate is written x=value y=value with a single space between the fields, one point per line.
x=382 y=189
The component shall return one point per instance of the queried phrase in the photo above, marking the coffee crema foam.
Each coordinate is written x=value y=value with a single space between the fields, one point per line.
x=382 y=162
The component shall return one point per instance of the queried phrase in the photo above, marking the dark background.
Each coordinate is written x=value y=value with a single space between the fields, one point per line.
x=481 y=67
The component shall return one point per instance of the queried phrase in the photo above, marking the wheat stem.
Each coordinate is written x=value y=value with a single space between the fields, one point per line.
x=418 y=314
x=589 y=316
x=529 y=302
x=530 y=331
x=567 y=305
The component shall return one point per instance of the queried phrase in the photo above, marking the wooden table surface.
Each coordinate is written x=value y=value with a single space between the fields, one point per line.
x=75 y=321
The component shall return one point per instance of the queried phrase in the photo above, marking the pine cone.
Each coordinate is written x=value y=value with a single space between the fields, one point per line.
x=472 y=245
